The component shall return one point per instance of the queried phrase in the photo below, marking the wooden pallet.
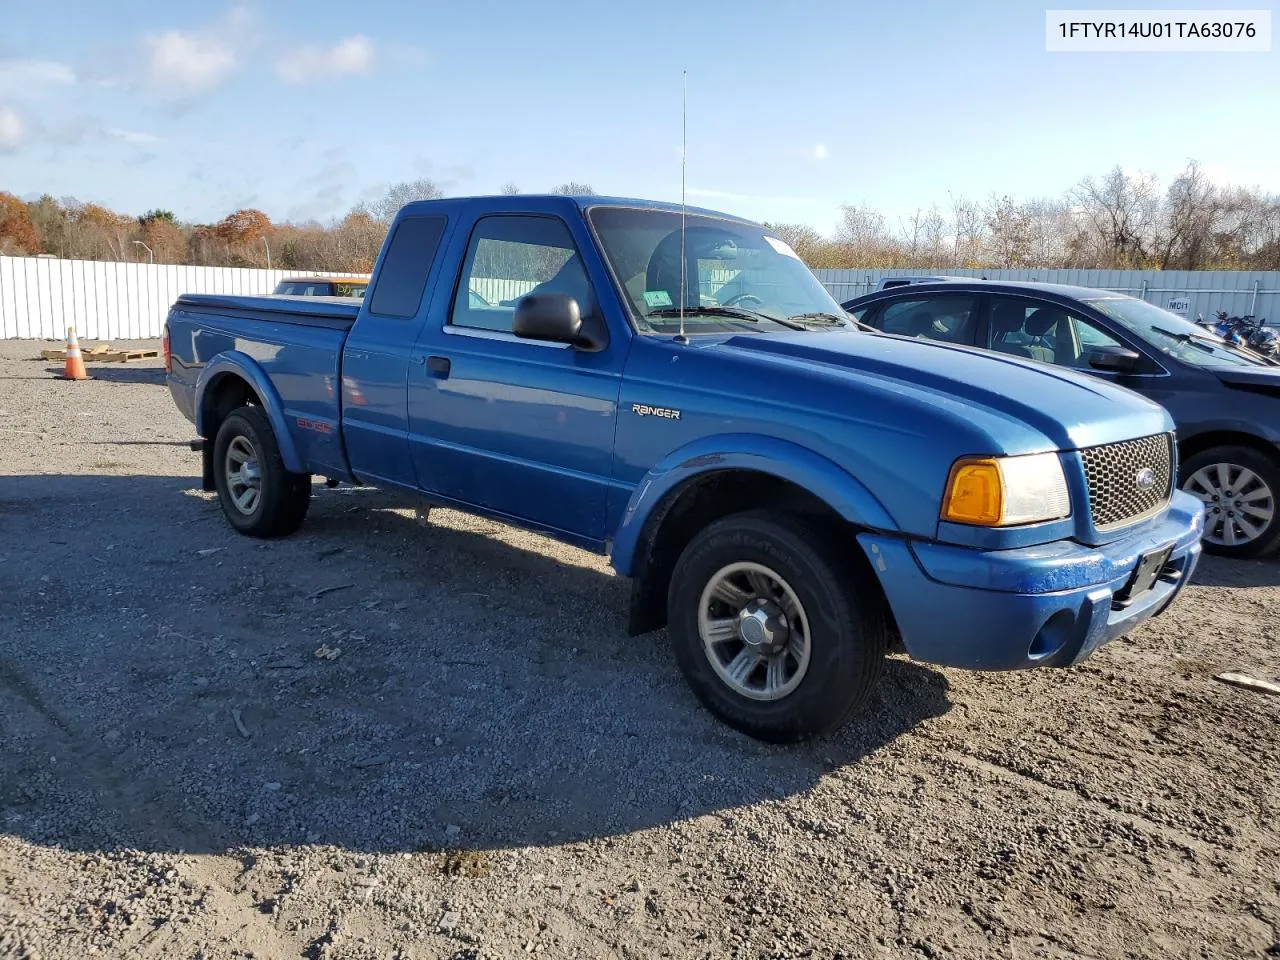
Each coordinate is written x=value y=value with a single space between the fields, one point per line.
x=101 y=354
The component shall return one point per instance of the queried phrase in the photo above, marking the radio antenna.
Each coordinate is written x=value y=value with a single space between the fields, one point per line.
x=684 y=150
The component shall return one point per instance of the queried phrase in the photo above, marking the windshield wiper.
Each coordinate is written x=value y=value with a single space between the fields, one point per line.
x=1204 y=343
x=831 y=319
x=738 y=313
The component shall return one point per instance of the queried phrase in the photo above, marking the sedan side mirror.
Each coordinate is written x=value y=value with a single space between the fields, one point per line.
x=554 y=317
x=1116 y=359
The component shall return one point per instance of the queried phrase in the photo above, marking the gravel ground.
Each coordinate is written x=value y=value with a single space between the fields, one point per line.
x=381 y=738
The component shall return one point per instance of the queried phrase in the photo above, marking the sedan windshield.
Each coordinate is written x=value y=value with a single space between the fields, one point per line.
x=736 y=277
x=1174 y=336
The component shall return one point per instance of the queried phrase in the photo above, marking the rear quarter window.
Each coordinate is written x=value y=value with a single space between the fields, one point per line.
x=403 y=278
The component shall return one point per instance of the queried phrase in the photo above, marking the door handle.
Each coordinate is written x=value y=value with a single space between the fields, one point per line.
x=439 y=366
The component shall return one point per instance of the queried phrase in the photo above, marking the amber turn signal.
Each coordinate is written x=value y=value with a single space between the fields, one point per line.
x=975 y=493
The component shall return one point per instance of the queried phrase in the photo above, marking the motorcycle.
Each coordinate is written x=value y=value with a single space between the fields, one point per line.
x=1245 y=331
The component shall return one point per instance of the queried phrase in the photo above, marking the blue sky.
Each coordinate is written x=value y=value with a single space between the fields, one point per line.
x=304 y=109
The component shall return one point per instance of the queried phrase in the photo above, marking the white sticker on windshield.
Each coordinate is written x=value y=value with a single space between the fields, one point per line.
x=781 y=247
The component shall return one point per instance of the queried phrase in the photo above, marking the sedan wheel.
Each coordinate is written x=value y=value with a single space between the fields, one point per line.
x=1239 y=488
x=1238 y=505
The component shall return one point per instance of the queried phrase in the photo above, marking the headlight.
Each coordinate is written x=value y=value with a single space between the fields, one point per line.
x=1005 y=491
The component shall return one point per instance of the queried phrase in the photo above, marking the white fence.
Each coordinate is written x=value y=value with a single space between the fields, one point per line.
x=1195 y=291
x=41 y=297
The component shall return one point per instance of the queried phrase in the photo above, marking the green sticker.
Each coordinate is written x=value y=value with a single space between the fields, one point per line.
x=657 y=298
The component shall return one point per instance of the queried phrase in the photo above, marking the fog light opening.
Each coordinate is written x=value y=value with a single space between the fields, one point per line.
x=1053 y=636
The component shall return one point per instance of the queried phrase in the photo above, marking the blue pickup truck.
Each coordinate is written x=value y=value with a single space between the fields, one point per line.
x=792 y=495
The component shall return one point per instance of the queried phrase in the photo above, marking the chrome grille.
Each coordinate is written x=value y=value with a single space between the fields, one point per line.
x=1119 y=491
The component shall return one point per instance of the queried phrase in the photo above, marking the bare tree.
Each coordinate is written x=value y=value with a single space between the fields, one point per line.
x=1190 y=217
x=865 y=238
x=968 y=230
x=923 y=236
x=1123 y=210
x=510 y=189
x=1009 y=233
x=398 y=194
x=574 y=189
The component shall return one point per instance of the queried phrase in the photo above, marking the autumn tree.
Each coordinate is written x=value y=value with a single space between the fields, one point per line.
x=810 y=245
x=97 y=233
x=243 y=226
x=359 y=239
x=18 y=234
x=165 y=238
x=243 y=233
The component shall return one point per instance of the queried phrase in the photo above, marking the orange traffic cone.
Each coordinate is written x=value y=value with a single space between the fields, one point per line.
x=74 y=368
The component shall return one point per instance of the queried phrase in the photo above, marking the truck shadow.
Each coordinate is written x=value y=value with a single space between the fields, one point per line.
x=1219 y=572
x=120 y=373
x=372 y=682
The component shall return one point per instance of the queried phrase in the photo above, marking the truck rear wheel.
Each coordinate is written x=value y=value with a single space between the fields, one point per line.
x=258 y=495
x=777 y=634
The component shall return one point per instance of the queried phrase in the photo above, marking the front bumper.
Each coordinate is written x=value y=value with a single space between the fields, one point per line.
x=1047 y=605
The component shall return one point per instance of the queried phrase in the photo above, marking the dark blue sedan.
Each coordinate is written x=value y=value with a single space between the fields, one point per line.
x=1225 y=400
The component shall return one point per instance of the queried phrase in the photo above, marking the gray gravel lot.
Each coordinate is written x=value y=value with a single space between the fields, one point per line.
x=481 y=764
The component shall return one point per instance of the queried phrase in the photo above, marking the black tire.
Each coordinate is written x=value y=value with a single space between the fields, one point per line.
x=283 y=497
x=1267 y=468
x=845 y=611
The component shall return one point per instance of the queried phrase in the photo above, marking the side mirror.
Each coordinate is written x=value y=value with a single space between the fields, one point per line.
x=555 y=317
x=1115 y=359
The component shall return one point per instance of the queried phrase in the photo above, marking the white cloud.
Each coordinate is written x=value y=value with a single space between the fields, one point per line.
x=820 y=151
x=13 y=131
x=131 y=136
x=182 y=63
x=27 y=77
x=189 y=63
x=351 y=56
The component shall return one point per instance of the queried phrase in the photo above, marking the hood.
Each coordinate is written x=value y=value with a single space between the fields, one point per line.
x=1072 y=410
x=1264 y=380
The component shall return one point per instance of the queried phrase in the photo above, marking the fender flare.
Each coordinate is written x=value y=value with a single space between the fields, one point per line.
x=823 y=478
x=234 y=363
x=1263 y=433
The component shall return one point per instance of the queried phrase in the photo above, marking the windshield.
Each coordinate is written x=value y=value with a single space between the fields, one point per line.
x=737 y=276
x=1174 y=336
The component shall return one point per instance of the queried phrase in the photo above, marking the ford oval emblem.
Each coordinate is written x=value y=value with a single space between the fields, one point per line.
x=1146 y=478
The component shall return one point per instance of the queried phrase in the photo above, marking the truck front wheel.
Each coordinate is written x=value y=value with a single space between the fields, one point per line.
x=776 y=632
x=258 y=495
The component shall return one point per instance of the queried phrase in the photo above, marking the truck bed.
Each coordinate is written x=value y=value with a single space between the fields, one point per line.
x=296 y=343
x=337 y=313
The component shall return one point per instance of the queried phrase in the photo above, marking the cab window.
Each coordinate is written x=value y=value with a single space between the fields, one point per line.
x=405 y=266
x=511 y=257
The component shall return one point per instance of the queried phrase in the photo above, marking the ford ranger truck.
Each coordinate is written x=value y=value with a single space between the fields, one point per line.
x=792 y=497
